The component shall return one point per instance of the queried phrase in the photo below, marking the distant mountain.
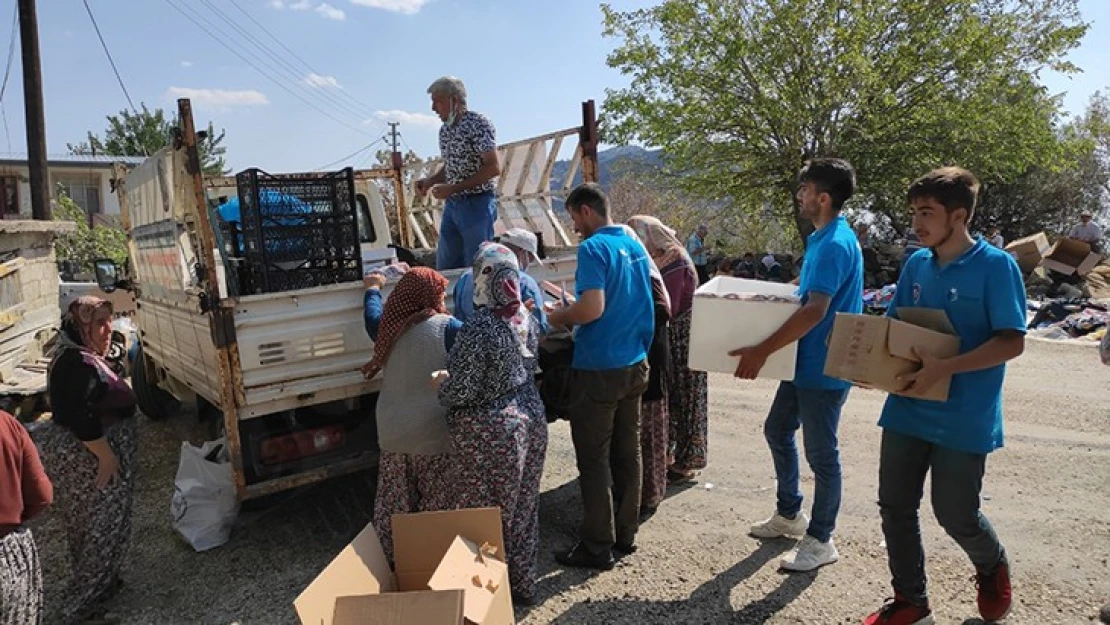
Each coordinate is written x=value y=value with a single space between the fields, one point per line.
x=611 y=164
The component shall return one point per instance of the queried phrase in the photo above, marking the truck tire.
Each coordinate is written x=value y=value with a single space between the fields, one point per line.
x=154 y=402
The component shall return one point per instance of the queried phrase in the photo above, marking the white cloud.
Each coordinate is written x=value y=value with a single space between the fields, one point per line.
x=320 y=81
x=186 y=64
x=407 y=7
x=277 y=4
x=303 y=5
x=407 y=118
x=331 y=12
x=218 y=98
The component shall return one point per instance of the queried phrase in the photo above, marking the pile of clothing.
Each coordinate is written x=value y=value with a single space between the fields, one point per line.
x=876 y=301
x=1069 y=318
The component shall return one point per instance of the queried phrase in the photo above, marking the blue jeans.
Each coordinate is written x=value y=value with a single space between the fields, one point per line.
x=817 y=412
x=957 y=481
x=467 y=223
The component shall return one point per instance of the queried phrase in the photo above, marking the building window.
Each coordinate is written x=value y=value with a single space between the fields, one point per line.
x=83 y=190
x=9 y=197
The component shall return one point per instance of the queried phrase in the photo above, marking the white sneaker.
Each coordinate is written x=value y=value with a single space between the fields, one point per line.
x=810 y=554
x=779 y=526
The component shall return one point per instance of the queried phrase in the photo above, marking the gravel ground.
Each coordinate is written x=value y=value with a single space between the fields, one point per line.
x=1046 y=494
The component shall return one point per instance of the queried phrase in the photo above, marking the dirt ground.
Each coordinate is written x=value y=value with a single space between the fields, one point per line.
x=1047 y=493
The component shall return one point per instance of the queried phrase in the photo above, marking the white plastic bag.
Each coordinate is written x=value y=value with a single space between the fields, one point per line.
x=204 y=504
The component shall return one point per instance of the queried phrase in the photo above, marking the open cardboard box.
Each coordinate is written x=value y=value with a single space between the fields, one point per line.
x=721 y=322
x=448 y=572
x=873 y=351
x=1029 y=251
x=1070 y=256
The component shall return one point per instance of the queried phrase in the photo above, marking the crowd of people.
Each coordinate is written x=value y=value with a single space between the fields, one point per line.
x=462 y=424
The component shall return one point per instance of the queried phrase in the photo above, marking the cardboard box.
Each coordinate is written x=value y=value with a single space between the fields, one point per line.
x=873 y=351
x=1029 y=251
x=721 y=322
x=1070 y=256
x=447 y=571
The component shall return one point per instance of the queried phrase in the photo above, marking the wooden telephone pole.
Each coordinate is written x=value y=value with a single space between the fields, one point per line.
x=33 y=107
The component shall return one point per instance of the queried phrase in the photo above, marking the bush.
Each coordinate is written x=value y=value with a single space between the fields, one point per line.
x=87 y=244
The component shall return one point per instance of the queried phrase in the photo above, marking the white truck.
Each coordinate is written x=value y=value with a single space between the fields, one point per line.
x=281 y=370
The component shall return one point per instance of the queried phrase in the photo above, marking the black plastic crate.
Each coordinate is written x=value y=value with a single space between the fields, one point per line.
x=298 y=230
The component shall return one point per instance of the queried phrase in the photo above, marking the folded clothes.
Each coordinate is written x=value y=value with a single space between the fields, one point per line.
x=752 y=297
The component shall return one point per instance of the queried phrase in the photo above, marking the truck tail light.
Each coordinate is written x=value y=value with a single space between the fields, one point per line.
x=300 y=445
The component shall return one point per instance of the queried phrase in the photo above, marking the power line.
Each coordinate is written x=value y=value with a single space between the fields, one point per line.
x=7 y=72
x=11 y=53
x=264 y=73
x=279 y=64
x=111 y=61
x=351 y=155
x=301 y=60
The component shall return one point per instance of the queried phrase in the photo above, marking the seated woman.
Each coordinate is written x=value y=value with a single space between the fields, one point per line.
x=89 y=448
x=412 y=335
x=495 y=415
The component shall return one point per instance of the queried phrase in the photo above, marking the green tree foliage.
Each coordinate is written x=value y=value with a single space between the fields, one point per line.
x=740 y=94
x=145 y=132
x=88 y=243
x=1051 y=196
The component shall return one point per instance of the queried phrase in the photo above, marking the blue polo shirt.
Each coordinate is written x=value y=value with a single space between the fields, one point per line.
x=834 y=266
x=983 y=293
x=529 y=290
x=612 y=261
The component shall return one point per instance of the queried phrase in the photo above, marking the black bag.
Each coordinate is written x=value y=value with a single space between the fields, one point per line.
x=556 y=360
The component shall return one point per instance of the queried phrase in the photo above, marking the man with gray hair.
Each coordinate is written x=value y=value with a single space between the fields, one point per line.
x=468 y=145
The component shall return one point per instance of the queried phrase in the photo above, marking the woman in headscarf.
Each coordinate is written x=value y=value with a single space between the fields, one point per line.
x=412 y=335
x=689 y=391
x=89 y=448
x=26 y=492
x=496 y=418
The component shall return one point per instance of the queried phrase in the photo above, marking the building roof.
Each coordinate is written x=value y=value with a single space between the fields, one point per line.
x=75 y=160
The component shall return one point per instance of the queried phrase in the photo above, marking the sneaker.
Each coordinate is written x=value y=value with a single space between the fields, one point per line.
x=809 y=555
x=898 y=611
x=995 y=593
x=779 y=526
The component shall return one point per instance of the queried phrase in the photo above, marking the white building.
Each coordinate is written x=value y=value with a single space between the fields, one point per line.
x=85 y=179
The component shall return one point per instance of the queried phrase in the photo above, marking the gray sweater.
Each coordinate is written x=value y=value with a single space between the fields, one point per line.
x=410 y=417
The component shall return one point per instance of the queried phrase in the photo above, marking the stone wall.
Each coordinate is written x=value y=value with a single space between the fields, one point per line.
x=29 y=313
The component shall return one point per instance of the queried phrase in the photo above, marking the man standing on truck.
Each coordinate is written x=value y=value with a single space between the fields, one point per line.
x=468 y=145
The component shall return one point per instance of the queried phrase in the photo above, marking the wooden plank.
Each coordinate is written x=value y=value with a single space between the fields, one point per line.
x=552 y=158
x=575 y=162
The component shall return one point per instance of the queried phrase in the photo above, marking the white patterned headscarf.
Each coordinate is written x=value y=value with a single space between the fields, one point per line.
x=497 y=288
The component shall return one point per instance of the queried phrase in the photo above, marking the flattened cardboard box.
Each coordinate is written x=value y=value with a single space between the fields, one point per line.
x=1029 y=251
x=873 y=351
x=1070 y=256
x=723 y=320
x=451 y=549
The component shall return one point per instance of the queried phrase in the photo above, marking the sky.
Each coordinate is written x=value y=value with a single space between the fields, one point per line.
x=340 y=69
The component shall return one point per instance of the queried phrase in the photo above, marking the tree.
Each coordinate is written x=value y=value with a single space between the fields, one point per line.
x=90 y=242
x=740 y=94
x=145 y=132
x=1050 y=197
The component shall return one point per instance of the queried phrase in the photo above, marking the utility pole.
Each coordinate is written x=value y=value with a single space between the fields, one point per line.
x=393 y=134
x=33 y=107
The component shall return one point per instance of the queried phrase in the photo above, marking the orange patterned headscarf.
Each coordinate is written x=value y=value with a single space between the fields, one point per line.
x=417 y=297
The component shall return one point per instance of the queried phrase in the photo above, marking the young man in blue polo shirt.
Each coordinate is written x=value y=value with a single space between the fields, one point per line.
x=981 y=289
x=614 y=321
x=831 y=282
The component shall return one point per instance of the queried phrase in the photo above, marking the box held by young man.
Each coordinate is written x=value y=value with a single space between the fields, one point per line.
x=1068 y=256
x=873 y=351
x=427 y=548
x=730 y=313
x=1029 y=251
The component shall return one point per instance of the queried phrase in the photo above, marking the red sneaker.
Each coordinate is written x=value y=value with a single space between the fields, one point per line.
x=898 y=611
x=995 y=593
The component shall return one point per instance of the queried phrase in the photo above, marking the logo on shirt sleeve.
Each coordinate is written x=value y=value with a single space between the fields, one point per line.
x=916 y=293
